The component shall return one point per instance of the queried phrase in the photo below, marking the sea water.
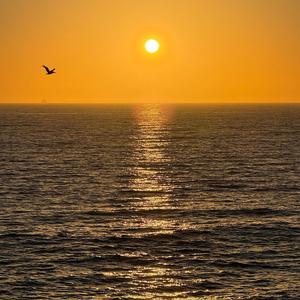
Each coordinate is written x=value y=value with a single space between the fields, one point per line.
x=149 y=201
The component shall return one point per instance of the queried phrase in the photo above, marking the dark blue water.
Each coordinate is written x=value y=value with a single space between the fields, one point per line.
x=150 y=202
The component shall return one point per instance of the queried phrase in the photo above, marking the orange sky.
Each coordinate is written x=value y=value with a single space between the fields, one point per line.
x=212 y=50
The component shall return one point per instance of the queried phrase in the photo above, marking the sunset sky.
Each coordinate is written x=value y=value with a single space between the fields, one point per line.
x=211 y=50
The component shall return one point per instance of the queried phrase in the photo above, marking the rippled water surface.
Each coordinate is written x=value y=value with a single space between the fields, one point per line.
x=149 y=202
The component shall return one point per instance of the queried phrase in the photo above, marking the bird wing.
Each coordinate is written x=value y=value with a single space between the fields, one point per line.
x=46 y=68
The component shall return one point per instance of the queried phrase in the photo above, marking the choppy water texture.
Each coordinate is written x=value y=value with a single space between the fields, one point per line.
x=149 y=202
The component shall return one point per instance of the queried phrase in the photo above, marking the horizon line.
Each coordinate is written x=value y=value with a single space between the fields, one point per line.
x=143 y=101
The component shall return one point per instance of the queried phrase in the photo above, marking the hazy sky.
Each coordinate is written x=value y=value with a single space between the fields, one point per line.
x=212 y=50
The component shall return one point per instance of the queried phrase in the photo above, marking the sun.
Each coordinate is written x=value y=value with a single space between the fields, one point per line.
x=152 y=46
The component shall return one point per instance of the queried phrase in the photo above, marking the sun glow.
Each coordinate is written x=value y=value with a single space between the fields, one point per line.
x=152 y=46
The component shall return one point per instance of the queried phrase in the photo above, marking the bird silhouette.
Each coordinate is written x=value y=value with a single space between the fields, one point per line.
x=49 y=72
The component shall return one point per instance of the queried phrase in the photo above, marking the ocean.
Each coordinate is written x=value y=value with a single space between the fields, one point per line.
x=150 y=202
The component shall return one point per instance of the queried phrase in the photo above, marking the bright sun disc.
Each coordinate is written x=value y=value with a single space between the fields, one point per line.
x=152 y=46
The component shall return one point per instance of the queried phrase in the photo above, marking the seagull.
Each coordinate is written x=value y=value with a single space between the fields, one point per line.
x=49 y=72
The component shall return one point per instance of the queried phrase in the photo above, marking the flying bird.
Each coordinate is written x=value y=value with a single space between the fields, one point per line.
x=49 y=72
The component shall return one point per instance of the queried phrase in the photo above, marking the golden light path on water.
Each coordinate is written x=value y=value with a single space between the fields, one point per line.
x=152 y=192
x=153 y=186
x=150 y=148
x=151 y=179
x=152 y=202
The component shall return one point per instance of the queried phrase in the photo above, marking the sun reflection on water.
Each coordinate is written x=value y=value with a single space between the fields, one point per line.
x=151 y=182
x=150 y=148
x=151 y=205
